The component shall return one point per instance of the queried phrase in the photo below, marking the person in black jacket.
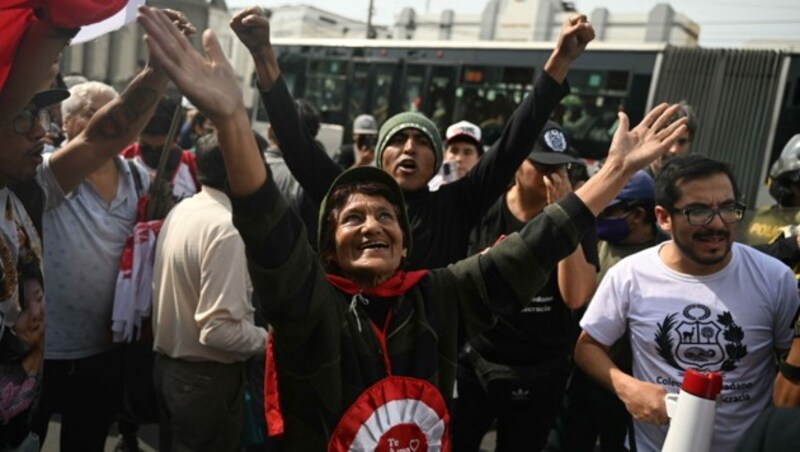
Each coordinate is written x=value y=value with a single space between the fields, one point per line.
x=515 y=371
x=410 y=149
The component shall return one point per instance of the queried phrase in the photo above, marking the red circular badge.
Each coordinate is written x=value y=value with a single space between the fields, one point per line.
x=403 y=437
x=397 y=414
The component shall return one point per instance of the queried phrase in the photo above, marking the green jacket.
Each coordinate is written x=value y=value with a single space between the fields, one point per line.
x=327 y=351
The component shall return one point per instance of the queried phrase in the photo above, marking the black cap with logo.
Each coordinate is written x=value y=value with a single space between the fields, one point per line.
x=552 y=147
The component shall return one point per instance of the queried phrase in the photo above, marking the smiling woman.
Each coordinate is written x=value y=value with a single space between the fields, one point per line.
x=368 y=241
x=355 y=334
x=366 y=355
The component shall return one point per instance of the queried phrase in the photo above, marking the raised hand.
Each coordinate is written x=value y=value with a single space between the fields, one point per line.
x=576 y=33
x=182 y=22
x=557 y=184
x=251 y=26
x=635 y=149
x=364 y=155
x=209 y=83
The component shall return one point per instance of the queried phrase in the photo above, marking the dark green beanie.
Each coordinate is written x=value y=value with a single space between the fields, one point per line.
x=361 y=175
x=411 y=120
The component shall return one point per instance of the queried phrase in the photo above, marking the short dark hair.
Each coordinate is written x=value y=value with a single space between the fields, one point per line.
x=210 y=164
x=337 y=200
x=211 y=170
x=162 y=118
x=687 y=168
x=309 y=116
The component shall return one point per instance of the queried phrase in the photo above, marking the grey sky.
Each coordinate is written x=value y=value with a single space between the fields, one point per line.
x=723 y=22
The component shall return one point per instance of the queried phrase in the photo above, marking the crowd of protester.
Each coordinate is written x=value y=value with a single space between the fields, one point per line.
x=249 y=292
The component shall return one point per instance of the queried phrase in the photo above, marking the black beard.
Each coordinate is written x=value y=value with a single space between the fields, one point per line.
x=686 y=251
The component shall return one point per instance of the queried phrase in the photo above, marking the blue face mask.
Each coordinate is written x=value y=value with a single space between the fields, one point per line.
x=613 y=230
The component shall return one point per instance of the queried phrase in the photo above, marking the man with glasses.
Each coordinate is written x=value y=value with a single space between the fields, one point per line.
x=699 y=301
x=528 y=350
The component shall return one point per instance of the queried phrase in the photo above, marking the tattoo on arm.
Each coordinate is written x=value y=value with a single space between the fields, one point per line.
x=121 y=117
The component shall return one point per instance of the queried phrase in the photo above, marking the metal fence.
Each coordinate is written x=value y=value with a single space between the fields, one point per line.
x=734 y=94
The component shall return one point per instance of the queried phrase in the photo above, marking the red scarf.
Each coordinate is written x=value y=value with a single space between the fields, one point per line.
x=398 y=284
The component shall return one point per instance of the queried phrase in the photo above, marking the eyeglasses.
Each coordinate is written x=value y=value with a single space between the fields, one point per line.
x=24 y=122
x=701 y=216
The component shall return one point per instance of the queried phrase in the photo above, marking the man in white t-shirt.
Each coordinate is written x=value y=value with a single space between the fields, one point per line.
x=699 y=301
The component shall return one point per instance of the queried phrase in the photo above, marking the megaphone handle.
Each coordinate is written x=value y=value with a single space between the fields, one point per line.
x=671 y=401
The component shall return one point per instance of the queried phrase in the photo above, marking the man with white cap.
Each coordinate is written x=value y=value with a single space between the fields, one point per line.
x=361 y=151
x=462 y=150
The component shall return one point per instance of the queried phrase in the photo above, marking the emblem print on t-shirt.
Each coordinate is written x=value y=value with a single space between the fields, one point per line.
x=694 y=339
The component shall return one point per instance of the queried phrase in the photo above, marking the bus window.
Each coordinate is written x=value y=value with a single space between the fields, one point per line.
x=439 y=102
x=381 y=105
x=326 y=81
x=358 y=93
x=488 y=95
x=411 y=92
x=589 y=114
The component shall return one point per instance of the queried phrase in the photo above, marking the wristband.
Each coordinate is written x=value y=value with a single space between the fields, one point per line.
x=789 y=371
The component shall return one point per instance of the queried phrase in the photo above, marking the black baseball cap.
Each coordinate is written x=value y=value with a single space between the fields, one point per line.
x=552 y=147
x=49 y=97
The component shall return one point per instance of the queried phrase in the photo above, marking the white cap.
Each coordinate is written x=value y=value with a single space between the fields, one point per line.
x=365 y=125
x=464 y=129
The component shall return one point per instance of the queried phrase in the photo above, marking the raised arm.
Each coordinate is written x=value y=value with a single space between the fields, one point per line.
x=307 y=161
x=274 y=236
x=520 y=265
x=630 y=151
x=490 y=176
x=577 y=277
x=251 y=26
x=210 y=84
x=116 y=125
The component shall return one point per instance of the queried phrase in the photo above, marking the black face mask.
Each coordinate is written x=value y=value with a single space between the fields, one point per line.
x=151 y=155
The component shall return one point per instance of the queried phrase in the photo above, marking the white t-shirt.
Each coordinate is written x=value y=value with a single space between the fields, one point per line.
x=729 y=322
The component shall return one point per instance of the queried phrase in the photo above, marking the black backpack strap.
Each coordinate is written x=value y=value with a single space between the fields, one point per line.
x=137 y=178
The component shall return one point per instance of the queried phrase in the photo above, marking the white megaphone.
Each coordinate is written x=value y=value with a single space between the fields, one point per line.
x=692 y=412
